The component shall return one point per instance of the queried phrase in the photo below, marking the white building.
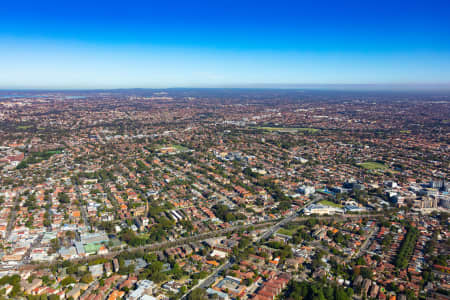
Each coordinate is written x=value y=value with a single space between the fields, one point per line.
x=143 y=291
x=306 y=190
x=321 y=209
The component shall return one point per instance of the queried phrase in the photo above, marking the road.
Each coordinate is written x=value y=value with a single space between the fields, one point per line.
x=204 y=236
x=35 y=244
x=12 y=219
x=206 y=282
x=338 y=217
x=277 y=226
x=294 y=217
x=92 y=285
x=284 y=221
x=364 y=245
x=83 y=208
x=163 y=245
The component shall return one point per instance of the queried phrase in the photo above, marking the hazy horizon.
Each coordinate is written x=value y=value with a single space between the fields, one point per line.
x=325 y=87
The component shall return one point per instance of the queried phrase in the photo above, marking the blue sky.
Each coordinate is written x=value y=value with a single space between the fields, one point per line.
x=120 y=44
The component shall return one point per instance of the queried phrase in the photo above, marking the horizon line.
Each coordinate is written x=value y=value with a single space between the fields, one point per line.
x=287 y=86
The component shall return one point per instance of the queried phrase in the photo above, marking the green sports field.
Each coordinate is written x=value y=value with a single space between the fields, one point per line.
x=372 y=166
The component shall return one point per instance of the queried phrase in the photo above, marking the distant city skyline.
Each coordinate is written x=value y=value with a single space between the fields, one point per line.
x=138 y=44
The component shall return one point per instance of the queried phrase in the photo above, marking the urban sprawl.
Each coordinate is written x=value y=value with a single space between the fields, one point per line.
x=224 y=194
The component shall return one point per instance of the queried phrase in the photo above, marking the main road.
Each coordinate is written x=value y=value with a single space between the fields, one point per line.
x=364 y=245
x=284 y=221
x=83 y=210
x=294 y=217
x=204 y=236
x=206 y=282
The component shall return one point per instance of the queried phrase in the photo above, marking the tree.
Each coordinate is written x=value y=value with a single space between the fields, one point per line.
x=407 y=248
x=177 y=272
x=87 y=278
x=55 y=245
x=63 y=198
x=317 y=290
x=68 y=280
x=70 y=234
x=198 y=294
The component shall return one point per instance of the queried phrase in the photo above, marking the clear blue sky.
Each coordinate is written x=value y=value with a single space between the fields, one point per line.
x=120 y=44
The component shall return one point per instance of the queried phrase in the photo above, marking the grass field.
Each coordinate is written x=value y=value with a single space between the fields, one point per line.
x=372 y=166
x=176 y=147
x=180 y=148
x=285 y=231
x=289 y=129
x=37 y=157
x=54 y=152
x=290 y=230
x=329 y=203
